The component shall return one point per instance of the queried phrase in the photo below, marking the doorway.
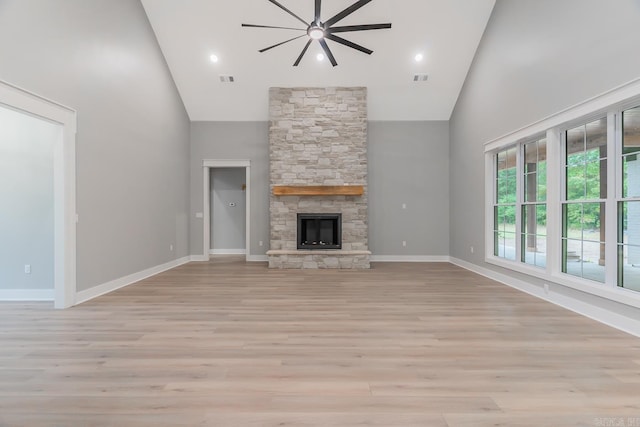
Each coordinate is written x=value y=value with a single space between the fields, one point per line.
x=57 y=125
x=228 y=211
x=227 y=196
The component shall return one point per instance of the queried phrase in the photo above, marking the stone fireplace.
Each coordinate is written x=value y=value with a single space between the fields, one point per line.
x=318 y=166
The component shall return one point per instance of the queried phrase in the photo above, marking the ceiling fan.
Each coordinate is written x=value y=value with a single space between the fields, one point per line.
x=323 y=31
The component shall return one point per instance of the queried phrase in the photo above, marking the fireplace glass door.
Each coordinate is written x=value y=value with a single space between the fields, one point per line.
x=320 y=231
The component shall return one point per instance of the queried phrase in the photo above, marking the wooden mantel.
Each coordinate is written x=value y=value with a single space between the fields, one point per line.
x=318 y=190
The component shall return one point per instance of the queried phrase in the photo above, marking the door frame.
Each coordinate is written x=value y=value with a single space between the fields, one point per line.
x=207 y=165
x=64 y=184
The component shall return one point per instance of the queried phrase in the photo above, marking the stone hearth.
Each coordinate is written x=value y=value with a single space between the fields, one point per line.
x=318 y=137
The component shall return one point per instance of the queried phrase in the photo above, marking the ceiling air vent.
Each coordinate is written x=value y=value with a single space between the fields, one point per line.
x=227 y=79
x=420 y=77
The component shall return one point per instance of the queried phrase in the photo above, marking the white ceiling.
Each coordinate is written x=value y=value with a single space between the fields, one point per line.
x=447 y=32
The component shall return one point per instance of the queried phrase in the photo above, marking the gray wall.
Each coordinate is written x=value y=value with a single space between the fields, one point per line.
x=409 y=164
x=26 y=200
x=536 y=58
x=228 y=208
x=232 y=141
x=101 y=58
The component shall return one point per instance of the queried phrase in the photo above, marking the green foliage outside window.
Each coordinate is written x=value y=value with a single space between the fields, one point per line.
x=583 y=183
x=507 y=186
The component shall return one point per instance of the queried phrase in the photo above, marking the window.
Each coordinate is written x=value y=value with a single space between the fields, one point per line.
x=505 y=196
x=629 y=205
x=534 y=208
x=563 y=198
x=583 y=208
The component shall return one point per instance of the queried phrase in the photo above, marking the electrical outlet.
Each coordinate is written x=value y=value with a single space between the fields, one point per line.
x=27 y=268
x=471 y=249
x=260 y=243
x=171 y=247
x=404 y=206
x=404 y=243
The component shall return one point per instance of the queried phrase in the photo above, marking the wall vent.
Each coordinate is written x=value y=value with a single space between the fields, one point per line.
x=420 y=77
x=227 y=79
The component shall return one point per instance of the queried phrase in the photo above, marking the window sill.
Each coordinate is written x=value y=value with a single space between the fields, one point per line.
x=602 y=290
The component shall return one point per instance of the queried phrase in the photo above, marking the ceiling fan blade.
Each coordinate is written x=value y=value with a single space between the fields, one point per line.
x=306 y=46
x=280 y=44
x=289 y=12
x=348 y=43
x=323 y=43
x=270 y=26
x=348 y=11
x=316 y=16
x=348 y=28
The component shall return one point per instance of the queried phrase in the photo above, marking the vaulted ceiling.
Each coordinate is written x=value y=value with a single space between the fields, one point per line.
x=445 y=32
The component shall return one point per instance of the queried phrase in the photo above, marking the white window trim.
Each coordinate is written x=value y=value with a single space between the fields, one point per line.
x=611 y=204
x=619 y=98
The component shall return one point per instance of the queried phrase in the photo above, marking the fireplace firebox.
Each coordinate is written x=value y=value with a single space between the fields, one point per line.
x=320 y=231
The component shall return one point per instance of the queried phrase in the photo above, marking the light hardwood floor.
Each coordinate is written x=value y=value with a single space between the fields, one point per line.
x=226 y=343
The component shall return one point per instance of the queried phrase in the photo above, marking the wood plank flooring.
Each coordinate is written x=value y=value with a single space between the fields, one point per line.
x=226 y=343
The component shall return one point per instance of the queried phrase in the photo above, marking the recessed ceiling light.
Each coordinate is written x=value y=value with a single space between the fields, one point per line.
x=320 y=57
x=214 y=58
x=419 y=57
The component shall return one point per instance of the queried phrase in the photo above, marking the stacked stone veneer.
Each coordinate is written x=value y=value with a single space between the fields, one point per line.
x=318 y=136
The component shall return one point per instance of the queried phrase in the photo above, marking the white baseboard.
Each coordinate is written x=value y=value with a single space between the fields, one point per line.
x=26 y=294
x=608 y=317
x=409 y=258
x=227 y=252
x=96 y=291
x=250 y=258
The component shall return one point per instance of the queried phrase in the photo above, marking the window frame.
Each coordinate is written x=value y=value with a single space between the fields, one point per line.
x=522 y=197
x=619 y=188
x=610 y=104
x=497 y=204
x=610 y=120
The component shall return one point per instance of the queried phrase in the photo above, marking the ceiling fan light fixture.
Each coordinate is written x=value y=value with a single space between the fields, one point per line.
x=323 y=31
x=316 y=33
